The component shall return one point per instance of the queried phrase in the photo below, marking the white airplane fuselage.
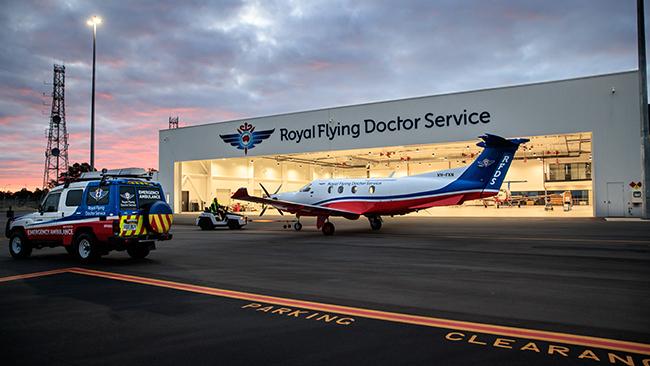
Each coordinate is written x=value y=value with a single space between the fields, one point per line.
x=390 y=196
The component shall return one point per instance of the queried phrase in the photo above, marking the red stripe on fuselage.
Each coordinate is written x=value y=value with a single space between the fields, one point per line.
x=389 y=207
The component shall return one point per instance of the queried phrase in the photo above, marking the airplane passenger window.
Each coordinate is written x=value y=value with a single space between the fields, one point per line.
x=340 y=189
x=329 y=189
x=354 y=189
x=371 y=189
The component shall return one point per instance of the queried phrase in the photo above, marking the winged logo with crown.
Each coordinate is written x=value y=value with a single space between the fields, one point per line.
x=246 y=137
x=485 y=163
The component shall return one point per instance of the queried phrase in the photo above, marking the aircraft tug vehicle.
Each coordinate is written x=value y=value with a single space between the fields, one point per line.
x=209 y=220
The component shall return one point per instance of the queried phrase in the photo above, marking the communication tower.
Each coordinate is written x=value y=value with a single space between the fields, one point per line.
x=56 y=154
x=173 y=122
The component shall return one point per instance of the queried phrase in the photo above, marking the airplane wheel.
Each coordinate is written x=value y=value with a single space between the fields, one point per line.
x=328 y=228
x=375 y=223
x=297 y=226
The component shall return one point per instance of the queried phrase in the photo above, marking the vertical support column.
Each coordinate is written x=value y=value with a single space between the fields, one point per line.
x=209 y=185
x=250 y=171
x=177 y=186
x=283 y=174
x=643 y=101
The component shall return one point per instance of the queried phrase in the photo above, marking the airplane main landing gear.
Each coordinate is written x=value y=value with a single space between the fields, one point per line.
x=375 y=222
x=328 y=228
x=297 y=226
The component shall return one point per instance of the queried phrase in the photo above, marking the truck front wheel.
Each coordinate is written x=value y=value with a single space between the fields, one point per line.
x=19 y=248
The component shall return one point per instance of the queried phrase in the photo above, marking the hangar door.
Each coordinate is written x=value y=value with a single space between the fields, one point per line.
x=544 y=173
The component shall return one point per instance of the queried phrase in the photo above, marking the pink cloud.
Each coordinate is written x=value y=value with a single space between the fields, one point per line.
x=164 y=112
x=104 y=96
x=8 y=120
x=523 y=14
x=319 y=65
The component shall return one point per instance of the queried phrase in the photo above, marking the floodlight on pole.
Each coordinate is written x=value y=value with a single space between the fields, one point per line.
x=94 y=22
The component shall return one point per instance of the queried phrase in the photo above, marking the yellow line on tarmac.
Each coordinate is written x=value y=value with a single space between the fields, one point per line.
x=566 y=338
x=33 y=275
x=534 y=238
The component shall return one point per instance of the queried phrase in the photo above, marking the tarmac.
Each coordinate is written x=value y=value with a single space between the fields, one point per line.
x=457 y=291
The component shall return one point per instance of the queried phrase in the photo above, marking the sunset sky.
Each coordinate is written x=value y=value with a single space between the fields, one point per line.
x=211 y=61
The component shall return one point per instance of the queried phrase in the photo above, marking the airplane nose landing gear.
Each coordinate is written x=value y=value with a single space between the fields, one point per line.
x=375 y=222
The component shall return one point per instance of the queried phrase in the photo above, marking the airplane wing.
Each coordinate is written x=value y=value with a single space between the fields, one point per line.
x=301 y=209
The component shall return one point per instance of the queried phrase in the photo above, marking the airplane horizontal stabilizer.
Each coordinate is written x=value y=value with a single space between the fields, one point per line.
x=490 y=140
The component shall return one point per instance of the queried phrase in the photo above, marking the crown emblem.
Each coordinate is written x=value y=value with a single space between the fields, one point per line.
x=246 y=137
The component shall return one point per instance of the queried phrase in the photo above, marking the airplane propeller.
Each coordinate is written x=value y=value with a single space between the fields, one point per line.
x=267 y=195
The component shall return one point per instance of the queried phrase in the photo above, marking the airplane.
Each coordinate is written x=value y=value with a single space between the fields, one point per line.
x=376 y=197
x=505 y=198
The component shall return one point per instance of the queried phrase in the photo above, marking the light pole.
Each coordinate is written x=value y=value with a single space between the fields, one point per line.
x=94 y=22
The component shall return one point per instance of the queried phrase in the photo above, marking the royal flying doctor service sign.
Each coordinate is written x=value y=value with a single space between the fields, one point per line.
x=247 y=137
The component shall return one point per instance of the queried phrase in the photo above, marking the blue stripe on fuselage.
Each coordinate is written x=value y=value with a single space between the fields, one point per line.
x=455 y=186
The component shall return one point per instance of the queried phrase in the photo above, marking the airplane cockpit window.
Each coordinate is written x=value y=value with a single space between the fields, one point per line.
x=354 y=189
x=305 y=188
x=329 y=189
x=371 y=189
x=340 y=189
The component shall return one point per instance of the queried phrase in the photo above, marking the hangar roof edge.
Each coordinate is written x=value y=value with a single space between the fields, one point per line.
x=633 y=71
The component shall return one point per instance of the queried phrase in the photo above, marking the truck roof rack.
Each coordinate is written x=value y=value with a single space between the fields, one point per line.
x=117 y=173
x=105 y=174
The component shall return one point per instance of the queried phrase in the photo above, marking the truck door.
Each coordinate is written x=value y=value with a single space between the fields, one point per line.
x=71 y=201
x=49 y=211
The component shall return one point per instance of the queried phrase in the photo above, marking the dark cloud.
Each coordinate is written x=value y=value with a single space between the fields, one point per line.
x=210 y=61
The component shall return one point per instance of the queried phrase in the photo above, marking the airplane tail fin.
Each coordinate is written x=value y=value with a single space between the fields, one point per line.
x=490 y=167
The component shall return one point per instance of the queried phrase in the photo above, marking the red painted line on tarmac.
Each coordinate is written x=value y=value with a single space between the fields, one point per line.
x=581 y=340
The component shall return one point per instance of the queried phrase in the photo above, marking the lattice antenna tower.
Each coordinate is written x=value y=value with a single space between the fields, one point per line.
x=56 y=154
x=173 y=122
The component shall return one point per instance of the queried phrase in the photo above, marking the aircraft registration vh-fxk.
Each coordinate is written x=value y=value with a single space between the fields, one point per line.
x=376 y=197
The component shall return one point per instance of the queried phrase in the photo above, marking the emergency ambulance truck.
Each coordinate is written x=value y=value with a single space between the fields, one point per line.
x=102 y=211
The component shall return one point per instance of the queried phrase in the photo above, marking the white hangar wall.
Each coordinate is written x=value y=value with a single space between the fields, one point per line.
x=605 y=105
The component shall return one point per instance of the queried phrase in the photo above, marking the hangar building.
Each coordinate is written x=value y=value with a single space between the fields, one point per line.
x=585 y=144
